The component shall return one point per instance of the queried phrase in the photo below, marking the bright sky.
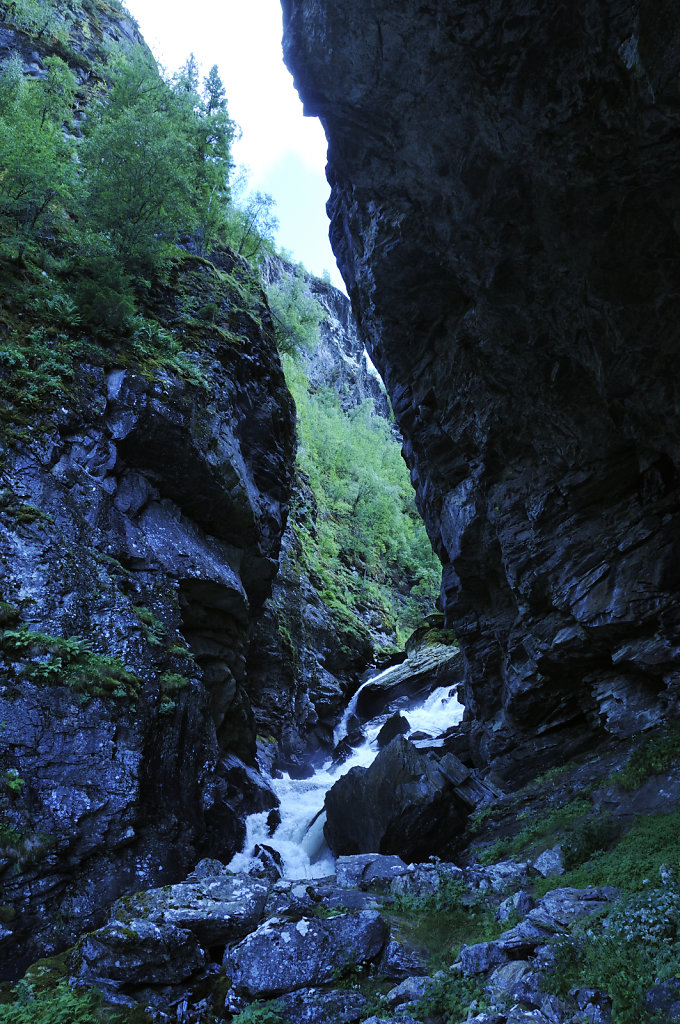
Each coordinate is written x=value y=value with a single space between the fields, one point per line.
x=284 y=151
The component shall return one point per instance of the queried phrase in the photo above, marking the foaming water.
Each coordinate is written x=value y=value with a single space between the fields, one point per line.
x=299 y=838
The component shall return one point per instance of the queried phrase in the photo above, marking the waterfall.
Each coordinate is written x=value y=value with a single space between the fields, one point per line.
x=299 y=838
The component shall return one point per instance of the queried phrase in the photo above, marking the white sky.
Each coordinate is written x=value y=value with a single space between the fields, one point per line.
x=284 y=151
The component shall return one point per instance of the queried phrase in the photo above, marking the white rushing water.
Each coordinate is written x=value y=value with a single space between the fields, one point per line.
x=299 y=838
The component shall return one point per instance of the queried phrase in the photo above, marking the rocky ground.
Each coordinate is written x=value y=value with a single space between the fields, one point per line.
x=566 y=913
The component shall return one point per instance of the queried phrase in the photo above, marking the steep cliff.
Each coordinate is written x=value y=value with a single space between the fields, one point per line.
x=505 y=214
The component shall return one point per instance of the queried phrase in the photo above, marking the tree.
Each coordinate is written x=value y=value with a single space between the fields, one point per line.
x=37 y=166
x=251 y=228
x=134 y=157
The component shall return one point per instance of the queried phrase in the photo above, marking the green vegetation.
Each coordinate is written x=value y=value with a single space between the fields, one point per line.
x=636 y=946
x=551 y=825
x=68 y=661
x=63 y=1005
x=91 y=213
x=296 y=314
x=441 y=922
x=448 y=999
x=367 y=548
x=260 y=1013
x=655 y=754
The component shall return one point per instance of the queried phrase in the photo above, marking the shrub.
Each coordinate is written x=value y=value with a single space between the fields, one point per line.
x=637 y=944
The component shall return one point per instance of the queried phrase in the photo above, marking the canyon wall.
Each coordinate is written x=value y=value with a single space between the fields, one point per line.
x=141 y=520
x=505 y=213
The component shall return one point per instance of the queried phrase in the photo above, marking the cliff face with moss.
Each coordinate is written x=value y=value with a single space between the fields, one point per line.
x=141 y=520
x=505 y=213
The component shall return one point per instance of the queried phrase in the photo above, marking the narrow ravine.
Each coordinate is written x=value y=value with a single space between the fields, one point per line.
x=299 y=837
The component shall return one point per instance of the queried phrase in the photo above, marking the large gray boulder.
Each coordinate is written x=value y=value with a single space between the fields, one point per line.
x=216 y=909
x=285 y=956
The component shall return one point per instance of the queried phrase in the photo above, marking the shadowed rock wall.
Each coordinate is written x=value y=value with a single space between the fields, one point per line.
x=505 y=214
x=140 y=526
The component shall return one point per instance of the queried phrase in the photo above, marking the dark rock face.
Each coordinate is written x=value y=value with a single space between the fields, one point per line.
x=402 y=804
x=141 y=524
x=504 y=211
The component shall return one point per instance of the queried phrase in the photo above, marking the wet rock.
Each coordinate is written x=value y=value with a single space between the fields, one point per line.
x=157 y=512
x=497 y=876
x=300 y=898
x=516 y=982
x=318 y=1006
x=536 y=403
x=270 y=861
x=120 y=957
x=519 y=1016
x=367 y=868
x=520 y=903
x=664 y=1000
x=425 y=668
x=410 y=990
x=401 y=1019
x=283 y=957
x=401 y=805
x=425 y=879
x=481 y=957
x=595 y=1006
x=396 y=725
x=402 y=961
x=217 y=908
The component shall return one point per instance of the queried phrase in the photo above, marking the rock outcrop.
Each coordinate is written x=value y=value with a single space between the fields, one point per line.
x=141 y=522
x=505 y=214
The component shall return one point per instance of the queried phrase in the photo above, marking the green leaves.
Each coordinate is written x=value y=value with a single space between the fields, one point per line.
x=370 y=546
x=38 y=175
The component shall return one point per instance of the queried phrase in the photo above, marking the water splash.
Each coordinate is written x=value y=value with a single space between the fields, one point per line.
x=299 y=838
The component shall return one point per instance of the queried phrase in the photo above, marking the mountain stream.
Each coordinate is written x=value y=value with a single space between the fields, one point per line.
x=299 y=837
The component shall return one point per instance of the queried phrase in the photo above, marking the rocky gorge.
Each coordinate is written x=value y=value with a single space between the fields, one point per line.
x=504 y=211
x=225 y=793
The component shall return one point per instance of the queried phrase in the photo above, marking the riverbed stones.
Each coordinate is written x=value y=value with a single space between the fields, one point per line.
x=120 y=957
x=282 y=956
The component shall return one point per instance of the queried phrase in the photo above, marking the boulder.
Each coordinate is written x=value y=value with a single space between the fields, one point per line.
x=402 y=804
x=409 y=991
x=319 y=1006
x=285 y=956
x=402 y=961
x=120 y=957
x=216 y=908
x=663 y=1000
x=550 y=862
x=396 y=725
x=364 y=869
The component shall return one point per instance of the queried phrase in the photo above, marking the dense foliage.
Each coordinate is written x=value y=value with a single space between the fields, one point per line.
x=368 y=549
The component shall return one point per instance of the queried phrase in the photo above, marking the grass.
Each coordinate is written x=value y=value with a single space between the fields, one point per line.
x=62 y=1005
x=441 y=922
x=655 y=755
x=549 y=825
x=633 y=862
x=625 y=954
